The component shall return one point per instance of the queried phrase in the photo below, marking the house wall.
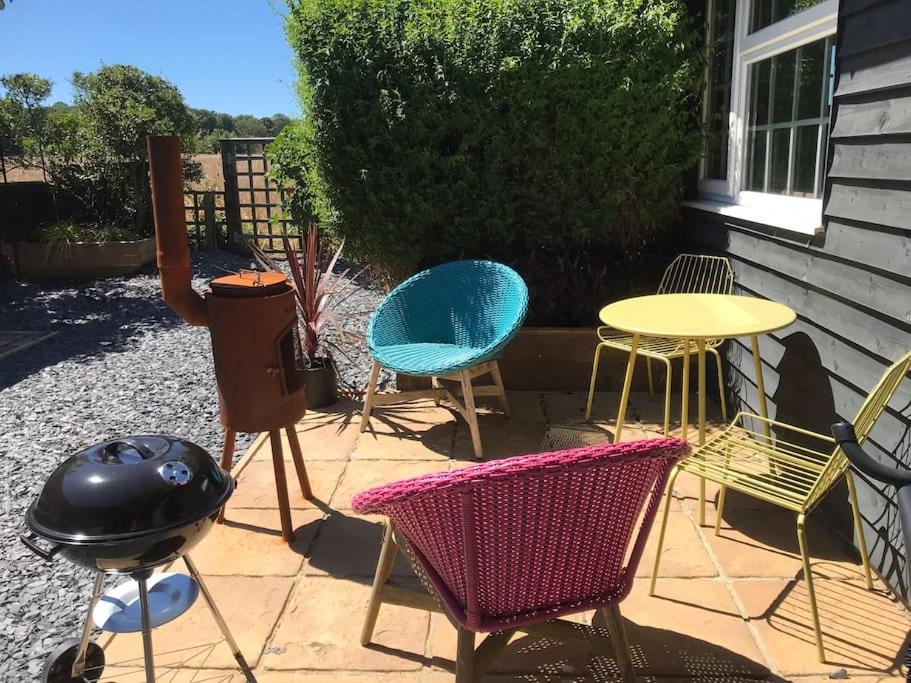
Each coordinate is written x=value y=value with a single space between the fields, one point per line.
x=851 y=285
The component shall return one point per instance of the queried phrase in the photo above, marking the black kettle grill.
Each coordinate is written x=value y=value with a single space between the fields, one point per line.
x=127 y=506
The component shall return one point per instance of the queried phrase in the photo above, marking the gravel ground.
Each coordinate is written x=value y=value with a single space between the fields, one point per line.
x=121 y=363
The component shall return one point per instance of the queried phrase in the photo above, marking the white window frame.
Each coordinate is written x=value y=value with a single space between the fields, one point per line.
x=726 y=197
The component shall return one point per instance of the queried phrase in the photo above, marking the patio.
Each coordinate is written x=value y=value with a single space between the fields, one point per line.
x=728 y=608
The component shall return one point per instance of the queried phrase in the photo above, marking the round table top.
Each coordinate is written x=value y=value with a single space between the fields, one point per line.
x=697 y=316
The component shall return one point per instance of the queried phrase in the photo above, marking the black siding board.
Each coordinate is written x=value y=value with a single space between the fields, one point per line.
x=884 y=24
x=871 y=160
x=875 y=70
x=889 y=206
x=885 y=250
x=889 y=116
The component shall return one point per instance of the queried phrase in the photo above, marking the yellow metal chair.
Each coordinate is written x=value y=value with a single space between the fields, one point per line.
x=687 y=274
x=778 y=463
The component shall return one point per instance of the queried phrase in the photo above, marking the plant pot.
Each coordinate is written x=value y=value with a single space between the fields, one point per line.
x=320 y=384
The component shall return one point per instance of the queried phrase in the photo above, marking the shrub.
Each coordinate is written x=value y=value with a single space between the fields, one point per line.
x=69 y=232
x=524 y=130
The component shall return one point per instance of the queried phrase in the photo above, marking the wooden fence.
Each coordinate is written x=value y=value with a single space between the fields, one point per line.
x=207 y=225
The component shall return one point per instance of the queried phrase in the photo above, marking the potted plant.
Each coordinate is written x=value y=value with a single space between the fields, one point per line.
x=319 y=292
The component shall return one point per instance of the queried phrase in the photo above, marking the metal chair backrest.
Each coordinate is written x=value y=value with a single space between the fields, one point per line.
x=533 y=537
x=697 y=274
x=869 y=412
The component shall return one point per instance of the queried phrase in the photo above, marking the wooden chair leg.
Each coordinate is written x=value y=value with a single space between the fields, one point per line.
x=621 y=645
x=368 y=396
x=465 y=657
x=227 y=455
x=383 y=571
x=472 y=414
x=281 y=485
x=435 y=383
x=299 y=465
x=498 y=380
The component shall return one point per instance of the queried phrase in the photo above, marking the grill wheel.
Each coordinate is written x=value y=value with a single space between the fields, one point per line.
x=58 y=667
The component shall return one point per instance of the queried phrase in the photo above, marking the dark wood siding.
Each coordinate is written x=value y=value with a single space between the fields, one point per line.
x=850 y=286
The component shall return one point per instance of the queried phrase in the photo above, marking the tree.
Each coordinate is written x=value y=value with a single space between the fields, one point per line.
x=247 y=126
x=23 y=118
x=118 y=107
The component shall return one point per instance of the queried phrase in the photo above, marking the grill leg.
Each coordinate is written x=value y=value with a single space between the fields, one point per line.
x=281 y=485
x=222 y=625
x=146 y=627
x=299 y=465
x=227 y=455
x=79 y=663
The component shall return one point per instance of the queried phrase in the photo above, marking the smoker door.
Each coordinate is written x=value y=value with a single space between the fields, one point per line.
x=291 y=360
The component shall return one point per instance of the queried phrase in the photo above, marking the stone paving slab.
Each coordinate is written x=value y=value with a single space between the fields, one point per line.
x=729 y=608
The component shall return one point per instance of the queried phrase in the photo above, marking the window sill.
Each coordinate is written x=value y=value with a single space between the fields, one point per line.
x=773 y=217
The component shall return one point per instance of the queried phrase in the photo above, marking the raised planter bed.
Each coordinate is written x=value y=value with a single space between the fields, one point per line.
x=81 y=260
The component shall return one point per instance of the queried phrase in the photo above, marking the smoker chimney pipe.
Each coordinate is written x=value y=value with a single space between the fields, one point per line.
x=171 y=230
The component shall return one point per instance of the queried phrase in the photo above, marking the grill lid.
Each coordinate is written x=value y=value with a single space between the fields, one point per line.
x=126 y=488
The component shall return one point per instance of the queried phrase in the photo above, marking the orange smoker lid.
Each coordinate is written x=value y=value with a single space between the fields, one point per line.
x=249 y=284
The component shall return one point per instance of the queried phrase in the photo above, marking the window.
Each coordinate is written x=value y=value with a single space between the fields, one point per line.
x=787 y=121
x=770 y=72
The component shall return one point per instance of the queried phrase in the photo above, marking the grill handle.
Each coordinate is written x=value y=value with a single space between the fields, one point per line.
x=46 y=555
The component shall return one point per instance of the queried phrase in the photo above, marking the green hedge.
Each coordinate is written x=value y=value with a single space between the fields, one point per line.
x=437 y=129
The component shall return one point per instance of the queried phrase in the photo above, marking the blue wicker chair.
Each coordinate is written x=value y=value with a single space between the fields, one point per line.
x=450 y=322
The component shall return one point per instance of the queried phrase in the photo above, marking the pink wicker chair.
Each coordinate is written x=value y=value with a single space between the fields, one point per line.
x=510 y=544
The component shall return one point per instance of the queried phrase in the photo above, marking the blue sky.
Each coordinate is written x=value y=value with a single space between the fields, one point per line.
x=226 y=55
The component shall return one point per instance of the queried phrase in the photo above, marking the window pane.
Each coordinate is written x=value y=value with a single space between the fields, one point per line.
x=789 y=105
x=805 y=161
x=756 y=161
x=778 y=161
x=767 y=12
x=761 y=81
x=812 y=72
x=718 y=93
x=783 y=86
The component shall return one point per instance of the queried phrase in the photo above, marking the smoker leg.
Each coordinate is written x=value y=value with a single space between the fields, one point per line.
x=79 y=662
x=299 y=465
x=222 y=625
x=146 y=626
x=227 y=455
x=281 y=485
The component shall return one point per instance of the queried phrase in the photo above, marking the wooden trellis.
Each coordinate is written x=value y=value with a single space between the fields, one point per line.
x=253 y=202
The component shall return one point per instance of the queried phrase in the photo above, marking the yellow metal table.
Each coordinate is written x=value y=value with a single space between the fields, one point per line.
x=694 y=318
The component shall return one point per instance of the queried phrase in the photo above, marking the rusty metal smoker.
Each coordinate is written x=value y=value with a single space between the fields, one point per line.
x=252 y=318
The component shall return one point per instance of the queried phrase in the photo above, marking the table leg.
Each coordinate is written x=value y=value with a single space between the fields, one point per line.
x=700 y=355
x=627 y=383
x=760 y=387
x=685 y=391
